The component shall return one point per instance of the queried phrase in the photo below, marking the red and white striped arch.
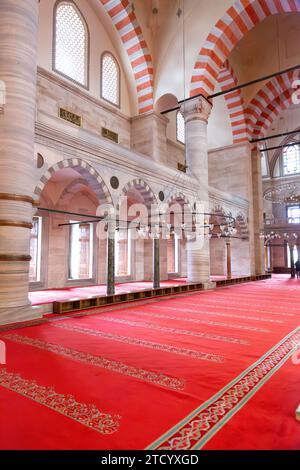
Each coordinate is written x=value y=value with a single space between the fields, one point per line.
x=225 y=35
x=235 y=104
x=271 y=112
x=126 y=24
x=280 y=86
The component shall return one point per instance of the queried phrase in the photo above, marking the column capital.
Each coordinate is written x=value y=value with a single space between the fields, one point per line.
x=196 y=109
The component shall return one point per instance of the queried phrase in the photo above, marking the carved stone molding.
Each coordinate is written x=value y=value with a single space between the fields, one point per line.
x=15 y=223
x=196 y=109
x=19 y=198
x=13 y=258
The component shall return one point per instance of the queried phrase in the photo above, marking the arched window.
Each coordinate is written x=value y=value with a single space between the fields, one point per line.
x=291 y=159
x=81 y=251
x=264 y=162
x=35 y=250
x=110 y=79
x=180 y=128
x=173 y=254
x=295 y=250
x=71 y=43
x=123 y=253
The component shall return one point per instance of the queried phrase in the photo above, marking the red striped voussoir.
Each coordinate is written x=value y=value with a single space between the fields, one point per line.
x=238 y=20
x=271 y=99
x=126 y=24
x=235 y=104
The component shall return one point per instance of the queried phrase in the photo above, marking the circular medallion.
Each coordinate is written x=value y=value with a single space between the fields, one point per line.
x=161 y=196
x=114 y=182
x=40 y=160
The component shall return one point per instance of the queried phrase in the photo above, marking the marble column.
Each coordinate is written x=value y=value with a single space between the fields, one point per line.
x=196 y=113
x=298 y=250
x=156 y=263
x=110 y=268
x=228 y=257
x=291 y=247
x=18 y=56
x=258 y=217
x=217 y=257
x=267 y=257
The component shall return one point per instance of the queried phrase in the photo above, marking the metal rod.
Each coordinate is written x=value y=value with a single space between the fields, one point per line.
x=69 y=213
x=280 y=146
x=78 y=223
x=236 y=88
x=275 y=136
x=253 y=82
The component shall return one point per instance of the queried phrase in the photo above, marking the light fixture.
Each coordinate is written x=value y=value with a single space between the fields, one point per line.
x=287 y=194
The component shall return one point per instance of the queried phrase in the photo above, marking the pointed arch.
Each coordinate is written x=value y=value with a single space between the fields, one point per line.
x=277 y=154
x=70 y=42
x=143 y=189
x=238 y=20
x=88 y=173
x=271 y=112
x=280 y=86
x=123 y=17
x=179 y=198
x=110 y=78
x=235 y=104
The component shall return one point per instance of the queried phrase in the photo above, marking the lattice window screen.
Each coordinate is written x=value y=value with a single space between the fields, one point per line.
x=110 y=79
x=180 y=128
x=71 y=43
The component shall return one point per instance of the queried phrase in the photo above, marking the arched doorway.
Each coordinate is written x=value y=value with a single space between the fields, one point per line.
x=64 y=247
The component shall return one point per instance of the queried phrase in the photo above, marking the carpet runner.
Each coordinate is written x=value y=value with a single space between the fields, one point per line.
x=208 y=370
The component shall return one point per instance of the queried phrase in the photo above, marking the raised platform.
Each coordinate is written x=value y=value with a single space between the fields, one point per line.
x=70 y=305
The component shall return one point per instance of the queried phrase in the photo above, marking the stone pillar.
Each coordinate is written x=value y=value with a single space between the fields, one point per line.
x=267 y=257
x=217 y=257
x=271 y=257
x=110 y=268
x=196 y=113
x=149 y=136
x=298 y=250
x=258 y=212
x=228 y=258
x=291 y=247
x=156 y=263
x=18 y=56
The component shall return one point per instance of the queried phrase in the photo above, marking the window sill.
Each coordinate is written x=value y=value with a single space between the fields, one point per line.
x=79 y=282
x=36 y=285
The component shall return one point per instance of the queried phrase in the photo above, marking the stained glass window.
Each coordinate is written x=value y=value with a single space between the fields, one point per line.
x=71 y=43
x=291 y=160
x=110 y=79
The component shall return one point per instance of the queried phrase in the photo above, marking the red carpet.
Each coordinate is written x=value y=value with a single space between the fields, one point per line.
x=208 y=370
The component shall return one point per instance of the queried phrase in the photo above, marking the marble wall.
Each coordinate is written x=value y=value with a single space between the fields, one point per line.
x=143 y=152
